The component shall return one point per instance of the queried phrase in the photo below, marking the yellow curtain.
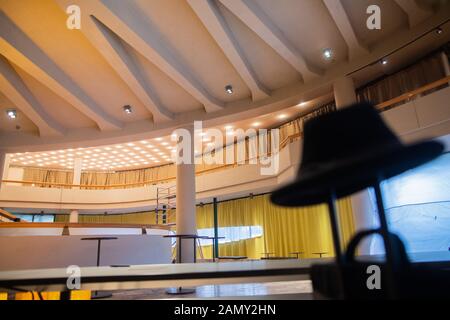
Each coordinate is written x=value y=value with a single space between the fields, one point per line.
x=128 y=177
x=413 y=77
x=130 y=218
x=62 y=218
x=50 y=176
x=285 y=230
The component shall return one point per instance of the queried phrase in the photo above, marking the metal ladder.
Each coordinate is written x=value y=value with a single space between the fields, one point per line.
x=165 y=202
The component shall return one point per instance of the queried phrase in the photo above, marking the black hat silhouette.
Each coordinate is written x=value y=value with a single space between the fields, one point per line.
x=346 y=151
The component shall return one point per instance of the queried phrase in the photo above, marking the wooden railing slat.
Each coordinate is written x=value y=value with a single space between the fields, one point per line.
x=81 y=225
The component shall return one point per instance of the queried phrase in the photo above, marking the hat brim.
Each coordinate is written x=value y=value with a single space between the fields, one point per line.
x=350 y=175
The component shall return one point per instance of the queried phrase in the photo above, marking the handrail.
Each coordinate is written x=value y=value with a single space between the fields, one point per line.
x=85 y=186
x=81 y=225
x=9 y=216
x=409 y=95
x=381 y=107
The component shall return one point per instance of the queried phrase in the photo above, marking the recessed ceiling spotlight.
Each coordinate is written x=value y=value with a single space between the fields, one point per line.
x=282 y=116
x=127 y=109
x=11 y=113
x=256 y=124
x=327 y=54
x=158 y=139
x=384 y=61
x=228 y=127
x=302 y=104
x=439 y=31
x=229 y=89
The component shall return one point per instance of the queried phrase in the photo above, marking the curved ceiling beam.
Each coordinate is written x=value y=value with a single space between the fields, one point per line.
x=110 y=46
x=415 y=14
x=13 y=87
x=151 y=45
x=257 y=20
x=22 y=51
x=209 y=14
x=337 y=12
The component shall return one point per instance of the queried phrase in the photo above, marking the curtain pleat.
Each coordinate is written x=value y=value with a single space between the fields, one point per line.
x=48 y=176
x=424 y=72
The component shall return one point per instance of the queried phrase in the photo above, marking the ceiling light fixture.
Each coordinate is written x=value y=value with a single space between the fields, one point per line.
x=327 y=54
x=384 y=61
x=11 y=113
x=256 y=124
x=302 y=104
x=127 y=109
x=439 y=31
x=229 y=89
x=282 y=116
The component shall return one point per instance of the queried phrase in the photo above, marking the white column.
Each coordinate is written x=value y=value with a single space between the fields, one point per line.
x=4 y=166
x=344 y=92
x=73 y=216
x=363 y=210
x=77 y=166
x=185 y=199
x=445 y=64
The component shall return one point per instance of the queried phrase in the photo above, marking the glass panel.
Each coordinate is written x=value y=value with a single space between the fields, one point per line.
x=37 y=217
x=25 y=217
x=231 y=234
x=44 y=218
